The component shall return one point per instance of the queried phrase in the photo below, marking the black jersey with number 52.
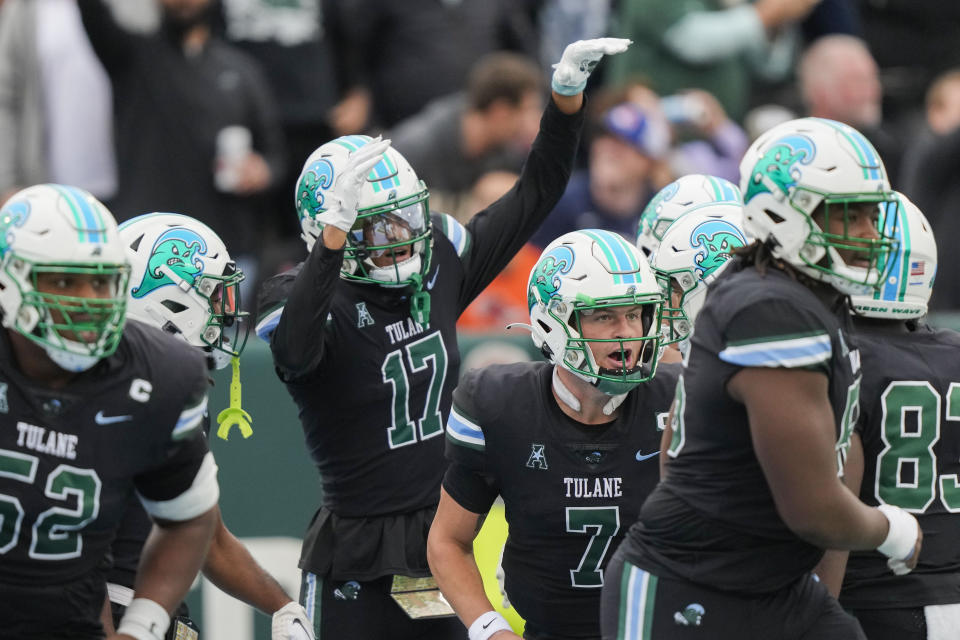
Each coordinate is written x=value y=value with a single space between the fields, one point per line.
x=71 y=458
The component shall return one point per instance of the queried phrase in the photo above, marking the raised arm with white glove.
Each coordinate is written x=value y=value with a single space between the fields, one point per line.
x=341 y=201
x=579 y=60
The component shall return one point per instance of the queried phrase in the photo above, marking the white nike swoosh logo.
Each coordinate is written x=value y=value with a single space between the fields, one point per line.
x=433 y=279
x=102 y=419
x=641 y=457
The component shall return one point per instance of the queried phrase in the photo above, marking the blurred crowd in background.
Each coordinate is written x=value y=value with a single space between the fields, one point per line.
x=209 y=107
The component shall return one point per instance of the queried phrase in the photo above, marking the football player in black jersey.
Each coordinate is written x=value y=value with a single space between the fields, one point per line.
x=570 y=445
x=91 y=411
x=184 y=282
x=752 y=493
x=905 y=451
x=363 y=333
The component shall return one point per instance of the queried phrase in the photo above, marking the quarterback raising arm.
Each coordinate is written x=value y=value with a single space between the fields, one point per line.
x=363 y=334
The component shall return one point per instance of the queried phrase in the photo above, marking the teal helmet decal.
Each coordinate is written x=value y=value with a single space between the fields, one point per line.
x=715 y=241
x=545 y=278
x=314 y=181
x=653 y=207
x=179 y=250
x=775 y=169
x=15 y=215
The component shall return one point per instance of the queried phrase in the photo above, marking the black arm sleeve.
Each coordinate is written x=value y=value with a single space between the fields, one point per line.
x=499 y=231
x=112 y=43
x=298 y=341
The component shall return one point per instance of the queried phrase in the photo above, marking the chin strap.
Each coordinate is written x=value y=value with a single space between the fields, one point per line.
x=419 y=301
x=565 y=395
x=234 y=414
x=571 y=400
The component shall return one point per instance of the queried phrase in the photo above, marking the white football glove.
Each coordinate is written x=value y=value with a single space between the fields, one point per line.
x=343 y=197
x=578 y=61
x=291 y=622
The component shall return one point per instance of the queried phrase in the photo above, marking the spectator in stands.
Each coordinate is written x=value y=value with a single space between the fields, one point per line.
x=708 y=141
x=627 y=147
x=929 y=178
x=839 y=79
x=914 y=41
x=489 y=127
x=707 y=44
x=48 y=134
x=175 y=92
x=397 y=56
x=281 y=37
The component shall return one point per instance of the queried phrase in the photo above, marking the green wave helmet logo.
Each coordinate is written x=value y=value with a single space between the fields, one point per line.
x=180 y=250
x=777 y=170
x=652 y=210
x=316 y=179
x=716 y=240
x=691 y=616
x=545 y=278
x=14 y=214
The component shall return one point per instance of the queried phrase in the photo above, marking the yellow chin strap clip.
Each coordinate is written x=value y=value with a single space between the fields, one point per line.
x=234 y=415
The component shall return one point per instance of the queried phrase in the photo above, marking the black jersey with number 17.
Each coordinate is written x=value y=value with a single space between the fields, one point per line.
x=569 y=490
x=910 y=428
x=372 y=385
x=713 y=519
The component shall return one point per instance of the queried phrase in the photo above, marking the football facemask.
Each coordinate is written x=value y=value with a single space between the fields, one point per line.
x=583 y=280
x=55 y=242
x=186 y=283
x=906 y=290
x=390 y=243
x=817 y=166
x=694 y=250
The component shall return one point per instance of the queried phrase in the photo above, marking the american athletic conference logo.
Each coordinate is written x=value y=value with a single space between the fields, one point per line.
x=179 y=250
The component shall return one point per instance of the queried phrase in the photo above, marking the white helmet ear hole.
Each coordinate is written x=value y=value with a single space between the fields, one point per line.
x=544 y=326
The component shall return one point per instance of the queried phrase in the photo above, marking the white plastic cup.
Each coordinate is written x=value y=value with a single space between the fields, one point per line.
x=234 y=143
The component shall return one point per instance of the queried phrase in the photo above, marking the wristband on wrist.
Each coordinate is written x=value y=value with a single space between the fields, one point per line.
x=486 y=625
x=567 y=90
x=144 y=619
x=902 y=535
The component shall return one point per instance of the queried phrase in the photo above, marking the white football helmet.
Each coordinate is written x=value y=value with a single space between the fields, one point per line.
x=674 y=200
x=184 y=282
x=50 y=229
x=793 y=169
x=393 y=213
x=692 y=253
x=908 y=286
x=584 y=272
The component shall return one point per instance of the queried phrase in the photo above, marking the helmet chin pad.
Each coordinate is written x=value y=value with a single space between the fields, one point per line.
x=70 y=361
x=398 y=273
